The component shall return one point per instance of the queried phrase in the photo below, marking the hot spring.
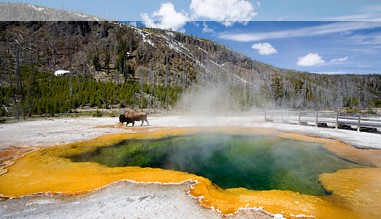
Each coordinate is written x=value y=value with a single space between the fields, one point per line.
x=255 y=162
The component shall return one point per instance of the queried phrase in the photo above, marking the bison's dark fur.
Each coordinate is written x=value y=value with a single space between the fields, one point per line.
x=131 y=117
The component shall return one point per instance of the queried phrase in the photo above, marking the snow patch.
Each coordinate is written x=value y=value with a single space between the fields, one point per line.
x=235 y=75
x=81 y=15
x=61 y=73
x=202 y=50
x=144 y=36
x=170 y=34
x=36 y=8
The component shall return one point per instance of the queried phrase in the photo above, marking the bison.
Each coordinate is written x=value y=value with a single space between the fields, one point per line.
x=131 y=117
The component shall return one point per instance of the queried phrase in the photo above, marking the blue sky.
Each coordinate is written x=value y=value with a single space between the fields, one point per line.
x=340 y=36
x=266 y=10
x=314 y=46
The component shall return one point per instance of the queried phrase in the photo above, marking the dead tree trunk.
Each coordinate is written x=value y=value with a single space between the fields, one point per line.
x=19 y=83
x=166 y=82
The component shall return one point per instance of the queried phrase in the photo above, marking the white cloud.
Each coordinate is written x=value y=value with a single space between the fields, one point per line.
x=367 y=13
x=207 y=29
x=166 y=18
x=258 y=4
x=311 y=59
x=319 y=30
x=357 y=17
x=283 y=18
x=339 y=60
x=133 y=23
x=372 y=39
x=264 y=48
x=227 y=11
x=365 y=66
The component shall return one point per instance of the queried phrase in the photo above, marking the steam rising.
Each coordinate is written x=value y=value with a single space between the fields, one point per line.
x=204 y=100
x=230 y=161
x=219 y=92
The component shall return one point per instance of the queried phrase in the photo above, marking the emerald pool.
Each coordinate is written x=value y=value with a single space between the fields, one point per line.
x=255 y=162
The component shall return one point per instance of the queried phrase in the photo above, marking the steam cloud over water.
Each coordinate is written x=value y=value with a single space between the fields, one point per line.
x=230 y=161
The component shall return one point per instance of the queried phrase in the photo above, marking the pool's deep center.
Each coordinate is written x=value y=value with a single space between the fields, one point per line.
x=231 y=161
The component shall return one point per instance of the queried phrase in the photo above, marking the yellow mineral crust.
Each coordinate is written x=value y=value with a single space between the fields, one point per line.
x=355 y=192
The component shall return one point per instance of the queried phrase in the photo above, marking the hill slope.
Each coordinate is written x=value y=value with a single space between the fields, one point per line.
x=113 y=52
x=29 y=12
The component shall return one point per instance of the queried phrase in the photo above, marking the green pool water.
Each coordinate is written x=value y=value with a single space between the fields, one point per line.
x=230 y=161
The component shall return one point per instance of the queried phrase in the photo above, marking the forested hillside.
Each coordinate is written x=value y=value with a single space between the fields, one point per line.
x=113 y=65
x=46 y=94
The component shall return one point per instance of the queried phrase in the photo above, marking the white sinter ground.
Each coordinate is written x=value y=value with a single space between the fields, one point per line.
x=51 y=131
x=128 y=199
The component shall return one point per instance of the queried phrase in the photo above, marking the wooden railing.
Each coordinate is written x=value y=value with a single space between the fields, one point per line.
x=359 y=122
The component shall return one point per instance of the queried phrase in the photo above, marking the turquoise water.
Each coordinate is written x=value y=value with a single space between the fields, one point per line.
x=230 y=161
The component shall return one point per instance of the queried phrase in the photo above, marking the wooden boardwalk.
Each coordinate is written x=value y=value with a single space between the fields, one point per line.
x=359 y=122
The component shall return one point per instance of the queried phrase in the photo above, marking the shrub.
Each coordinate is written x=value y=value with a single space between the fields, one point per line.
x=97 y=113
